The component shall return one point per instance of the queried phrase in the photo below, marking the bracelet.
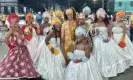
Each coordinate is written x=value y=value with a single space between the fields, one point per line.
x=84 y=59
x=49 y=46
x=56 y=51
x=109 y=38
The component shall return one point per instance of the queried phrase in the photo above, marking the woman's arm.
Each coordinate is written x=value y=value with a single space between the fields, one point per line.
x=62 y=37
x=87 y=50
x=6 y=39
x=124 y=29
x=48 y=37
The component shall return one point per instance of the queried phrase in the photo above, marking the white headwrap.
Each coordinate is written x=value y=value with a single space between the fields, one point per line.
x=80 y=31
x=46 y=14
x=86 y=10
x=101 y=12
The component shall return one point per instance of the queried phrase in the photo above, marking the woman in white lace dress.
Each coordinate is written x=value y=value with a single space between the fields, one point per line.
x=49 y=60
x=108 y=55
x=82 y=65
x=31 y=32
x=120 y=36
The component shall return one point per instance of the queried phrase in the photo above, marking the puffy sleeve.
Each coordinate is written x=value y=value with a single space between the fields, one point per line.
x=25 y=28
x=37 y=28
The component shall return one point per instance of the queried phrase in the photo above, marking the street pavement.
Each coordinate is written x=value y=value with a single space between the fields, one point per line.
x=127 y=75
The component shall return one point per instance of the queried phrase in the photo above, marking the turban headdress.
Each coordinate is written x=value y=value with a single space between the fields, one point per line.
x=55 y=20
x=101 y=13
x=29 y=15
x=12 y=16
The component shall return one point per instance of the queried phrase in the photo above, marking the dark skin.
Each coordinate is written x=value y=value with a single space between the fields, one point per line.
x=29 y=22
x=44 y=25
x=83 y=45
x=52 y=35
x=83 y=24
x=101 y=23
x=119 y=22
x=14 y=30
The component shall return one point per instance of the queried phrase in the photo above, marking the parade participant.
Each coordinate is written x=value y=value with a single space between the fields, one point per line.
x=86 y=10
x=108 y=55
x=68 y=27
x=131 y=28
x=18 y=63
x=39 y=18
x=30 y=31
x=81 y=21
x=82 y=65
x=45 y=27
x=120 y=36
x=49 y=60
x=59 y=14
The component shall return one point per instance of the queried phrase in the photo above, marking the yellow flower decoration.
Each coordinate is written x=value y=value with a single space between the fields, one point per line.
x=131 y=18
x=56 y=51
x=58 y=12
x=69 y=11
x=49 y=46
x=55 y=20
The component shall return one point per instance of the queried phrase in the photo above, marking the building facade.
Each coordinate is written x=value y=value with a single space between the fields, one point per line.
x=126 y=5
x=116 y=5
x=8 y=6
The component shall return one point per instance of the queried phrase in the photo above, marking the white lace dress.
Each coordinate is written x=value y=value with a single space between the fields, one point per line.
x=50 y=66
x=84 y=70
x=108 y=55
x=128 y=50
x=45 y=31
x=33 y=43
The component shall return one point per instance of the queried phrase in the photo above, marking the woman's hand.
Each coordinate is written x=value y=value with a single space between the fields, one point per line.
x=97 y=32
x=106 y=40
x=77 y=60
x=52 y=50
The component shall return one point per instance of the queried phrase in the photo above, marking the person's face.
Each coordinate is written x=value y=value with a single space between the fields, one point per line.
x=14 y=23
x=79 y=38
x=70 y=16
x=81 y=20
x=46 y=19
x=58 y=26
x=30 y=19
x=100 y=19
x=119 y=18
x=59 y=16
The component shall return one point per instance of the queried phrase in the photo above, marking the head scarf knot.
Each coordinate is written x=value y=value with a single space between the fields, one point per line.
x=12 y=16
x=46 y=14
x=58 y=13
x=101 y=13
x=55 y=20
x=86 y=10
x=120 y=13
x=69 y=11
x=80 y=31
x=29 y=15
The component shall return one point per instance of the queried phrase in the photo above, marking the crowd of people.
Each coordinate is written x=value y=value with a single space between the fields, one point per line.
x=67 y=46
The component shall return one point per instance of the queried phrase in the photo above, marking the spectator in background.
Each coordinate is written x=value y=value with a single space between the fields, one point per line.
x=131 y=28
x=39 y=18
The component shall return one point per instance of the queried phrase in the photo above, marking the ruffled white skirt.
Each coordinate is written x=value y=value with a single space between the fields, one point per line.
x=83 y=71
x=50 y=66
x=32 y=46
x=110 y=57
x=128 y=50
